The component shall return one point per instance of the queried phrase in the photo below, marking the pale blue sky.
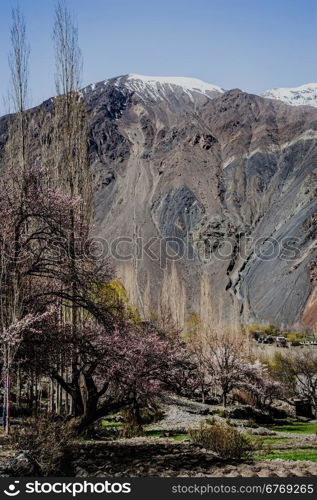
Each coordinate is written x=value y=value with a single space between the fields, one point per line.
x=250 y=44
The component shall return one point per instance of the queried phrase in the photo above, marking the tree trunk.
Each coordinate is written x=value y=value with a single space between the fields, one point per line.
x=19 y=387
x=224 y=399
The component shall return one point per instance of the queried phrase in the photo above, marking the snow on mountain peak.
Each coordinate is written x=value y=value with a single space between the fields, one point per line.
x=161 y=87
x=190 y=84
x=157 y=88
x=305 y=95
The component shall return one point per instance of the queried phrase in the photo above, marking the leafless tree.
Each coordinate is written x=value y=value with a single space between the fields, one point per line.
x=71 y=128
x=67 y=51
x=15 y=161
x=19 y=67
x=71 y=168
x=298 y=372
x=221 y=361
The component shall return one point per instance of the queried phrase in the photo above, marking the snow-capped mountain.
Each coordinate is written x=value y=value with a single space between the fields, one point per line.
x=156 y=84
x=169 y=160
x=160 y=87
x=305 y=95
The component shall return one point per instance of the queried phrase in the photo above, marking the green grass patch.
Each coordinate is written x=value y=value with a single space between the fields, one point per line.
x=180 y=437
x=106 y=423
x=155 y=434
x=297 y=428
x=301 y=454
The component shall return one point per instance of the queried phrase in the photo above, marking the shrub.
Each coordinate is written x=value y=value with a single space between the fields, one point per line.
x=46 y=441
x=210 y=421
x=221 y=412
x=151 y=414
x=295 y=343
x=131 y=429
x=272 y=330
x=133 y=425
x=134 y=421
x=223 y=439
x=252 y=423
x=243 y=397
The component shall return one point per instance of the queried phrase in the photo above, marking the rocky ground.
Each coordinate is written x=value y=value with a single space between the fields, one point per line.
x=154 y=456
x=174 y=454
x=160 y=457
x=180 y=414
x=5 y=450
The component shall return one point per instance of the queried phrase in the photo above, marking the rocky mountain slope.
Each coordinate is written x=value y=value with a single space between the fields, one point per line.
x=207 y=199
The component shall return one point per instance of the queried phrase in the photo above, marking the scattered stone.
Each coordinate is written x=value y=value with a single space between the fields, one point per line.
x=146 y=457
x=21 y=465
x=259 y=431
x=249 y=412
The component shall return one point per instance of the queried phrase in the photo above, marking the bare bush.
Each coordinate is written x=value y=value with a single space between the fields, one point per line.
x=223 y=439
x=46 y=441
